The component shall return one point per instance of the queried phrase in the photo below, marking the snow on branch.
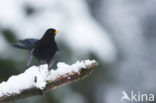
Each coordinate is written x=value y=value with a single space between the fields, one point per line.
x=37 y=80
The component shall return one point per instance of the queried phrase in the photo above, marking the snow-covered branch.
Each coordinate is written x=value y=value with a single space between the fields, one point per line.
x=37 y=80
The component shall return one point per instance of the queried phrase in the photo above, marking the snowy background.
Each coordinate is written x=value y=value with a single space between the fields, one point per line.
x=120 y=34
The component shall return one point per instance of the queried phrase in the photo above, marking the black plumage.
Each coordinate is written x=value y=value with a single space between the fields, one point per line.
x=44 y=49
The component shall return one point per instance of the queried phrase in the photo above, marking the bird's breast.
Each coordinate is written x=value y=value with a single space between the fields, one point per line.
x=45 y=51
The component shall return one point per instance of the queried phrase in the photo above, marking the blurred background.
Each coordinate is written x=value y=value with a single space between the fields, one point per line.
x=119 y=34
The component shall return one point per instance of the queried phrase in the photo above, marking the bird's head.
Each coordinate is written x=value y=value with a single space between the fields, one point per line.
x=52 y=31
x=50 y=34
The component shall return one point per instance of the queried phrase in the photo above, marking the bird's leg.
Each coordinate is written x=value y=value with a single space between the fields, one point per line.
x=51 y=62
x=30 y=57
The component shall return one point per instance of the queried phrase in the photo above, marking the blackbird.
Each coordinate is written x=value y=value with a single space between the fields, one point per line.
x=44 y=50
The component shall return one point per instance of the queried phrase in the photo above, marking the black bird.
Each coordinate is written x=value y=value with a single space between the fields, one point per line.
x=44 y=49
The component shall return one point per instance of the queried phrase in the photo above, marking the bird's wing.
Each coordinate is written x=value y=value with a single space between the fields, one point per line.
x=30 y=57
x=51 y=62
x=28 y=42
x=19 y=46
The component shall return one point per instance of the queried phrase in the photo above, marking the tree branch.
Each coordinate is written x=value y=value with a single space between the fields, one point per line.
x=38 y=80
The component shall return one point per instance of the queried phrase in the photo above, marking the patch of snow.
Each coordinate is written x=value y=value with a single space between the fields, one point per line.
x=65 y=68
x=36 y=76
x=16 y=84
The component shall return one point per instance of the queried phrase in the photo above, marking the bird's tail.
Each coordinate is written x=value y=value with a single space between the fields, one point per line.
x=20 y=46
x=26 y=44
